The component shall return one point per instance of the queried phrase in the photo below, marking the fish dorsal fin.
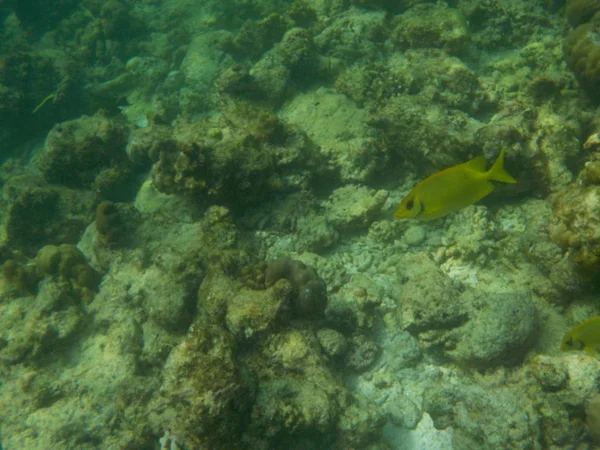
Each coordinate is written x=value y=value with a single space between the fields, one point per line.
x=478 y=164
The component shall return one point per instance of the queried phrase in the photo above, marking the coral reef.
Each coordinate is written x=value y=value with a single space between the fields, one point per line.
x=37 y=214
x=431 y=26
x=237 y=162
x=501 y=329
x=197 y=239
x=88 y=153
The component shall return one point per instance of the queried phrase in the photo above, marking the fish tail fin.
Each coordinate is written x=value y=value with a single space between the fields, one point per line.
x=497 y=172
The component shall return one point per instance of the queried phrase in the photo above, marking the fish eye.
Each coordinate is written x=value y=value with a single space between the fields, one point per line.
x=569 y=342
x=410 y=204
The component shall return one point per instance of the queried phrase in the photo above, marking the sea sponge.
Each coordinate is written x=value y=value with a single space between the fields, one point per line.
x=108 y=221
x=310 y=291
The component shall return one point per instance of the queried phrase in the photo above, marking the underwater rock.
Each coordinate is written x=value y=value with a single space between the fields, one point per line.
x=301 y=394
x=300 y=398
x=413 y=125
x=350 y=36
x=32 y=327
x=414 y=235
x=256 y=37
x=292 y=391
x=372 y=84
x=314 y=233
x=483 y=416
x=39 y=214
x=432 y=26
x=255 y=311
x=554 y=139
x=551 y=372
x=493 y=29
x=115 y=222
x=501 y=329
x=272 y=78
x=298 y=53
x=354 y=206
x=310 y=291
x=237 y=81
x=206 y=397
x=333 y=342
x=145 y=144
x=428 y=301
x=168 y=303
x=562 y=404
x=449 y=81
x=362 y=353
x=385 y=231
x=360 y=424
x=238 y=161
x=88 y=153
x=470 y=237
x=559 y=282
x=353 y=307
x=403 y=412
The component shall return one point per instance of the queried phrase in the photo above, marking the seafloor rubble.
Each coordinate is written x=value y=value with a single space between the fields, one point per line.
x=198 y=246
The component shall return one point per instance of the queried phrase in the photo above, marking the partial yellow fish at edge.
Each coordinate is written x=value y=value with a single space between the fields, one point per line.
x=585 y=336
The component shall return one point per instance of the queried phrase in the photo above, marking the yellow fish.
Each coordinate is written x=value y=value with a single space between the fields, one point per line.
x=585 y=336
x=452 y=189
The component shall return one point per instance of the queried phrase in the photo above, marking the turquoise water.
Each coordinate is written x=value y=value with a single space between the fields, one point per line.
x=197 y=231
